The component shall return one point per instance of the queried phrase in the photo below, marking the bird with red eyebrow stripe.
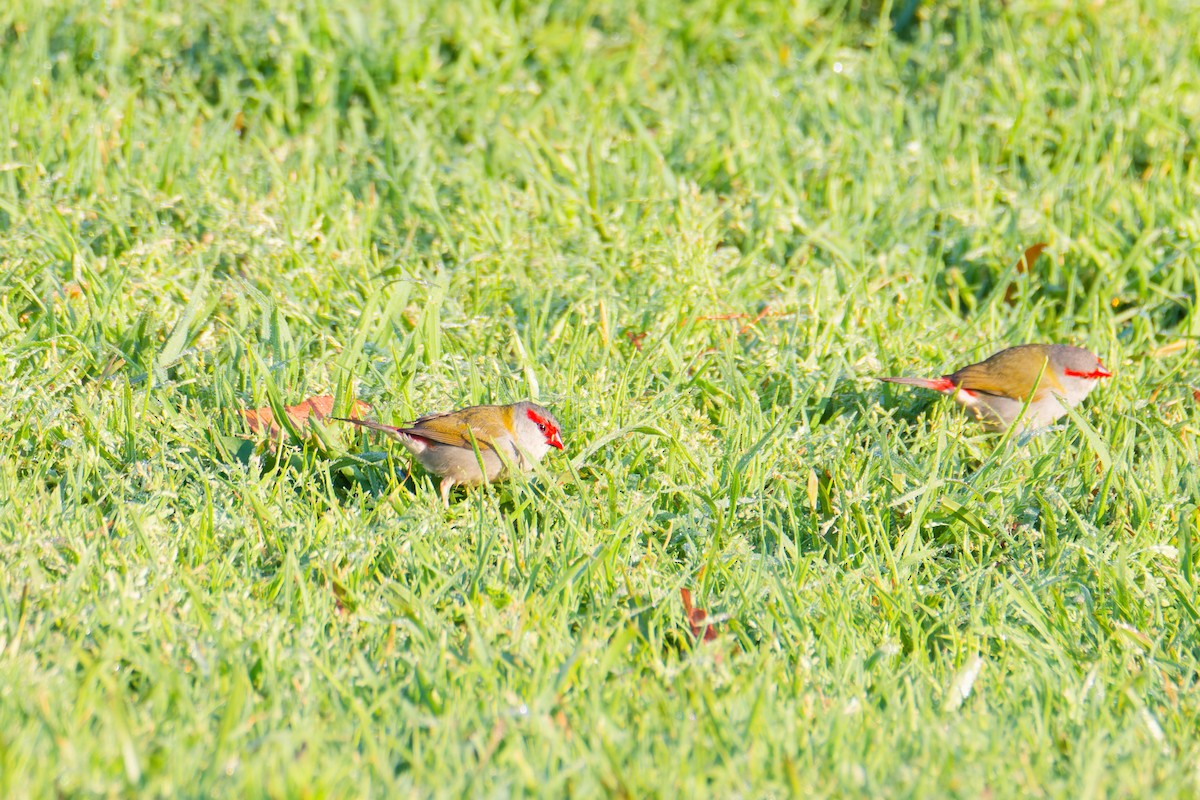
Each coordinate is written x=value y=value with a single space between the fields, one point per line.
x=452 y=444
x=1058 y=377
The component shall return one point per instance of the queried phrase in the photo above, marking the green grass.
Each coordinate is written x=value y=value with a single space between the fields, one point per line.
x=207 y=208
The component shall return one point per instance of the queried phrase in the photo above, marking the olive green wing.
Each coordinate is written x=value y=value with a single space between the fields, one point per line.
x=452 y=428
x=1010 y=373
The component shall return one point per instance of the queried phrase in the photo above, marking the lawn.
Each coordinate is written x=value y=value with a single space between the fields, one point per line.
x=697 y=231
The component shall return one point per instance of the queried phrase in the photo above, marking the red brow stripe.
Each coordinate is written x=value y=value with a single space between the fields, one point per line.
x=1099 y=373
x=533 y=415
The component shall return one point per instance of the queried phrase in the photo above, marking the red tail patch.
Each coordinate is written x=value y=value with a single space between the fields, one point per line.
x=936 y=384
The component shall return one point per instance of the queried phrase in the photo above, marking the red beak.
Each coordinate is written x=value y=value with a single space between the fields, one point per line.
x=1101 y=372
x=556 y=441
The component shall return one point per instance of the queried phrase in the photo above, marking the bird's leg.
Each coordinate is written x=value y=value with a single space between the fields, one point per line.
x=447 y=485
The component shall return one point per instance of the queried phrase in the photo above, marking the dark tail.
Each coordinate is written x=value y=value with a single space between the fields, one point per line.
x=366 y=423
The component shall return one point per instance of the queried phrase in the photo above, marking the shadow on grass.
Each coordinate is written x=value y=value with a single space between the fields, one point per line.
x=374 y=473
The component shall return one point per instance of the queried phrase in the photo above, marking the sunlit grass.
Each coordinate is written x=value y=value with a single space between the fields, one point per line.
x=697 y=231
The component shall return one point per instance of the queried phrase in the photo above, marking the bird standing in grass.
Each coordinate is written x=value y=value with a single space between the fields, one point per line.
x=1058 y=377
x=453 y=444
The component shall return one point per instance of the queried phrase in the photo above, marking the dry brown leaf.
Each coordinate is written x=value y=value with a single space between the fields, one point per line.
x=1030 y=256
x=1024 y=264
x=262 y=420
x=696 y=617
x=1170 y=349
x=602 y=320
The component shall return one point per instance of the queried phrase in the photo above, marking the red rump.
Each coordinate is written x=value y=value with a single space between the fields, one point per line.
x=936 y=384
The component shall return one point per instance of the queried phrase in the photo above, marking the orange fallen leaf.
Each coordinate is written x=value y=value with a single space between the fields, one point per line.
x=561 y=720
x=1023 y=265
x=263 y=420
x=696 y=617
x=1030 y=255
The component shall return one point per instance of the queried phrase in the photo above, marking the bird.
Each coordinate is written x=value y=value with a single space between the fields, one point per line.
x=1058 y=377
x=451 y=444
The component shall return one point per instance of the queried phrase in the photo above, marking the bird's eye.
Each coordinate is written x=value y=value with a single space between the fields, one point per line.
x=542 y=427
